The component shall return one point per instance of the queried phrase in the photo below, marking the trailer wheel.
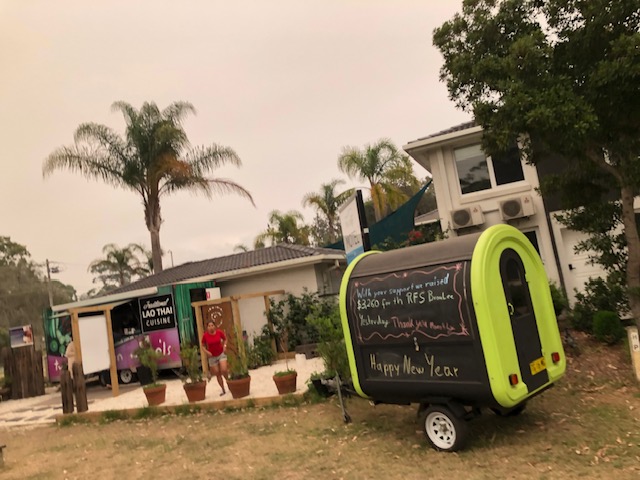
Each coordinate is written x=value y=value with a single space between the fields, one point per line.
x=125 y=376
x=445 y=431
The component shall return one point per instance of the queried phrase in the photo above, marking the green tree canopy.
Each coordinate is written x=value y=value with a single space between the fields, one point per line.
x=119 y=266
x=23 y=288
x=286 y=227
x=153 y=159
x=563 y=77
x=326 y=203
x=384 y=169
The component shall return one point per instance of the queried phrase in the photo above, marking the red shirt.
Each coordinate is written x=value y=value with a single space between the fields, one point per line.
x=214 y=342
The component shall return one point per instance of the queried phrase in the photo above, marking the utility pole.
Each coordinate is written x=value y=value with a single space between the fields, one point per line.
x=49 y=284
x=171 y=253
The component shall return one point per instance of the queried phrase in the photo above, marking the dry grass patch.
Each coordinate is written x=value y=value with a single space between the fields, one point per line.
x=588 y=426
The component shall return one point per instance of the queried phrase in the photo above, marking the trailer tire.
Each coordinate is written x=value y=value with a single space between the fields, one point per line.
x=445 y=431
x=125 y=376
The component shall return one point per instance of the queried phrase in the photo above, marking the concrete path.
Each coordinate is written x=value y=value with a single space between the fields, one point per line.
x=44 y=409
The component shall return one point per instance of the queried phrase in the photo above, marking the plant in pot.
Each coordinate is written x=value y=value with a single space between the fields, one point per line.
x=331 y=348
x=239 y=381
x=149 y=357
x=194 y=385
x=285 y=380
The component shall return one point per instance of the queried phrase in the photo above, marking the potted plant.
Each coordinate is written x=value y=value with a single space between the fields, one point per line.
x=285 y=380
x=239 y=381
x=194 y=385
x=331 y=348
x=149 y=357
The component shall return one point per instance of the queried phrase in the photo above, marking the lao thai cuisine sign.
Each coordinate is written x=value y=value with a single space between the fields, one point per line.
x=157 y=313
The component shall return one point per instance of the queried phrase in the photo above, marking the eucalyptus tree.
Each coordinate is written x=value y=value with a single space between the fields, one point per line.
x=562 y=77
x=153 y=159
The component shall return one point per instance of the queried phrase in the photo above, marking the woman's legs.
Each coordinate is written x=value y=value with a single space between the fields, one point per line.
x=215 y=370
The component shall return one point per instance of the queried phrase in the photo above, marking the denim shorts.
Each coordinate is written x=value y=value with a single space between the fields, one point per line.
x=216 y=360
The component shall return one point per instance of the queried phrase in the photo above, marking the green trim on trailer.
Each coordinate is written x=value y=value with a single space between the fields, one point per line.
x=492 y=314
x=345 y=322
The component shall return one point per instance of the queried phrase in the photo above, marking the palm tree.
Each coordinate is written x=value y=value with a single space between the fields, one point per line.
x=327 y=203
x=153 y=158
x=284 y=228
x=377 y=164
x=119 y=266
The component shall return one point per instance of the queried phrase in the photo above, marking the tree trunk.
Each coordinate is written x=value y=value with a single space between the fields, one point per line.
x=153 y=220
x=633 y=249
x=375 y=199
x=156 y=251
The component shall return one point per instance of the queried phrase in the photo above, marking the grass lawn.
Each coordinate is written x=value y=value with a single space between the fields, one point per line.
x=587 y=426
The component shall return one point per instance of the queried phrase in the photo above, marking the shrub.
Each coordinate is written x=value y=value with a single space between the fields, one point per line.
x=294 y=310
x=560 y=302
x=260 y=350
x=607 y=327
x=599 y=295
x=331 y=346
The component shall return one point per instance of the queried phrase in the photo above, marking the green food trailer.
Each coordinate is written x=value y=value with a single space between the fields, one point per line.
x=453 y=326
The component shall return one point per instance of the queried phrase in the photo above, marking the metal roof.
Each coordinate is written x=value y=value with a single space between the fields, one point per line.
x=235 y=262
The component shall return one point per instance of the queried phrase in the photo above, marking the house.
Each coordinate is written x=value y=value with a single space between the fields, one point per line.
x=474 y=191
x=160 y=306
x=291 y=268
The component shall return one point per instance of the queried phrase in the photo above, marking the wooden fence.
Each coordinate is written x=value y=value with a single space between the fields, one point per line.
x=23 y=366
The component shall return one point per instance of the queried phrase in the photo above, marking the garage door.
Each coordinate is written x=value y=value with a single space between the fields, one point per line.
x=576 y=268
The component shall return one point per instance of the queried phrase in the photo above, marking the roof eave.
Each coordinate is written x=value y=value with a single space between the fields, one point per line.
x=439 y=140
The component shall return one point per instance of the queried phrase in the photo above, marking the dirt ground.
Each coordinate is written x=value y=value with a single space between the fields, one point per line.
x=587 y=426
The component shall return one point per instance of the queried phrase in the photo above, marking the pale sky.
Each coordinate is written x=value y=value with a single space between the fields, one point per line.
x=286 y=83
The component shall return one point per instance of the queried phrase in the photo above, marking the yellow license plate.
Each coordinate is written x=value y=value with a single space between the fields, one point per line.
x=537 y=366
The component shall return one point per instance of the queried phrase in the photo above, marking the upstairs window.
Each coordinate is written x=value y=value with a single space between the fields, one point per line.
x=476 y=172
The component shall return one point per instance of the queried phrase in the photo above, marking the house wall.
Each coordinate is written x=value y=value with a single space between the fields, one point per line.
x=440 y=161
x=293 y=280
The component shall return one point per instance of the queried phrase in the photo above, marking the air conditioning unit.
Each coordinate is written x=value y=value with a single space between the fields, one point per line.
x=517 y=207
x=467 y=217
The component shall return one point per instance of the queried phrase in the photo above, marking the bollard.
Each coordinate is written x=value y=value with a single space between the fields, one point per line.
x=66 y=389
x=80 y=387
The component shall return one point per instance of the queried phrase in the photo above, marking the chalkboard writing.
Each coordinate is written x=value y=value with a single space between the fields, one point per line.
x=455 y=364
x=410 y=305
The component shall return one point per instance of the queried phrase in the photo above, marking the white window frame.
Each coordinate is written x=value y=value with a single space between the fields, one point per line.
x=492 y=175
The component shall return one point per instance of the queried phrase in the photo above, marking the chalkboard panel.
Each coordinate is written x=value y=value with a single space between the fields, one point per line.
x=449 y=364
x=417 y=305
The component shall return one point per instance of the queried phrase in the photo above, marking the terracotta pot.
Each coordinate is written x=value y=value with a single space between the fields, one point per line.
x=239 y=388
x=286 y=383
x=195 y=391
x=155 y=395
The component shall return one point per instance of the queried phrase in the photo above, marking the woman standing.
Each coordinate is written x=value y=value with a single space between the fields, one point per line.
x=214 y=343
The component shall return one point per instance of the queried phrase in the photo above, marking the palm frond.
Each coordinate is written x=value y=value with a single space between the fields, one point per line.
x=204 y=160
x=178 y=111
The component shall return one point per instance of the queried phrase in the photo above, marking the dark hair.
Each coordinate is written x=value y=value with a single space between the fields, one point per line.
x=211 y=321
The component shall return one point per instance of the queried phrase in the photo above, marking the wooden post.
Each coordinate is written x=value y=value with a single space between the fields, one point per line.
x=75 y=333
x=634 y=346
x=267 y=307
x=199 y=326
x=235 y=311
x=66 y=389
x=80 y=387
x=115 y=387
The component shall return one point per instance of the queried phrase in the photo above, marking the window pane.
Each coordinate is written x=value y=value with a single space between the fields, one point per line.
x=533 y=238
x=473 y=172
x=517 y=288
x=507 y=167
